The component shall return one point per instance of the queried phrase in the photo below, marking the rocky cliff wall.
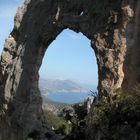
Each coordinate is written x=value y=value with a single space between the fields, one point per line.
x=37 y=24
x=132 y=62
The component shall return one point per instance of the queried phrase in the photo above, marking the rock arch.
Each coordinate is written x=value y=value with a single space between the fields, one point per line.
x=37 y=23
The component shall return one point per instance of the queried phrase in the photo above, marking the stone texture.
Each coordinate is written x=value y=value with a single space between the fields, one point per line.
x=132 y=61
x=37 y=24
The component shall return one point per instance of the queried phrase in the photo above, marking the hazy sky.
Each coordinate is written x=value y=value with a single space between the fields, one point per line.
x=68 y=57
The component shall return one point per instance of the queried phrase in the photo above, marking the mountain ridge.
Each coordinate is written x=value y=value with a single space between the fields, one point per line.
x=61 y=85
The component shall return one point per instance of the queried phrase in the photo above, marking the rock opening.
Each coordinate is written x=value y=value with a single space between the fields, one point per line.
x=37 y=24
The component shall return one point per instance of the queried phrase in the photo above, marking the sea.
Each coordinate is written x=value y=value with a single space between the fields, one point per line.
x=68 y=98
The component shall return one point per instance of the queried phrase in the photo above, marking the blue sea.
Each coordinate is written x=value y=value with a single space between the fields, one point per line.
x=69 y=98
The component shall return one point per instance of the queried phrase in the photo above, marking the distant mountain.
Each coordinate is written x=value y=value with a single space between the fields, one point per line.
x=60 y=86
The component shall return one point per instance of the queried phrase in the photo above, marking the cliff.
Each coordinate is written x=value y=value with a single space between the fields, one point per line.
x=111 y=25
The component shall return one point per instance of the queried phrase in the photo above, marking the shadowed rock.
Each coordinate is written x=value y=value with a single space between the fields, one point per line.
x=37 y=24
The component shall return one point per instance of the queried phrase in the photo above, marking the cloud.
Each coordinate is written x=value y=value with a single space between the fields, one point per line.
x=74 y=36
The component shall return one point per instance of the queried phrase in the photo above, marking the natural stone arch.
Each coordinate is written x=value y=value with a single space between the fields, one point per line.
x=69 y=58
x=37 y=23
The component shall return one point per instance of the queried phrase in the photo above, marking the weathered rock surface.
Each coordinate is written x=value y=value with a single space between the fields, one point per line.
x=132 y=61
x=37 y=24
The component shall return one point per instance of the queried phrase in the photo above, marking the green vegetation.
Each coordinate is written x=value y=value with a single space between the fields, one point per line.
x=113 y=117
x=60 y=125
x=30 y=139
x=112 y=114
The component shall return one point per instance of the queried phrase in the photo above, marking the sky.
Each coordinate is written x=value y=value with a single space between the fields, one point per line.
x=68 y=57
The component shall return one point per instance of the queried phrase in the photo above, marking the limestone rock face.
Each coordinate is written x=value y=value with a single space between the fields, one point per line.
x=37 y=24
x=132 y=61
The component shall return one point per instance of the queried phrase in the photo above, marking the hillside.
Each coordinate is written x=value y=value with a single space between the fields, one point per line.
x=61 y=86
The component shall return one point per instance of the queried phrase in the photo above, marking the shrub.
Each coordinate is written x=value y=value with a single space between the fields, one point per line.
x=60 y=125
x=30 y=139
x=111 y=114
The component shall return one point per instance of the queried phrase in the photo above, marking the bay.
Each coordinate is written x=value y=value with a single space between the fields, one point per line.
x=69 y=98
